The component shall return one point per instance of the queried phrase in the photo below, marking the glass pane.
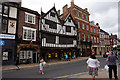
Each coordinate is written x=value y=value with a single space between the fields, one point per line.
x=4 y=26
x=29 y=18
x=25 y=34
x=33 y=33
x=5 y=9
x=0 y=8
x=29 y=34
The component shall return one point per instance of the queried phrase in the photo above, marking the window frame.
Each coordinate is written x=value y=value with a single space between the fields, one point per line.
x=27 y=18
x=31 y=37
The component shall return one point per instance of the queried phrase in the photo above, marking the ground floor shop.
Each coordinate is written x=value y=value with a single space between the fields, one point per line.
x=8 y=51
x=28 y=53
x=85 y=48
x=96 y=49
x=59 y=54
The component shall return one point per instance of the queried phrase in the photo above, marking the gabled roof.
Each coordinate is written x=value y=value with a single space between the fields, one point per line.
x=53 y=8
x=64 y=19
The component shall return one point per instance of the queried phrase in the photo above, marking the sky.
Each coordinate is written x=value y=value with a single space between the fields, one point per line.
x=104 y=12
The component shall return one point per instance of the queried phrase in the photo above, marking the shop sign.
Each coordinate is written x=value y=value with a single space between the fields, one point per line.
x=2 y=43
x=5 y=36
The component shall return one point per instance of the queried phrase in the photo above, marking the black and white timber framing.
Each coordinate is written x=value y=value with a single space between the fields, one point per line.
x=57 y=34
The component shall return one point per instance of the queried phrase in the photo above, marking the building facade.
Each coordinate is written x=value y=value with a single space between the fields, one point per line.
x=28 y=48
x=58 y=36
x=94 y=32
x=9 y=24
x=81 y=17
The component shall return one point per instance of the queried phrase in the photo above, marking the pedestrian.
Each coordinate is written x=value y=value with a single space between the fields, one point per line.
x=66 y=57
x=17 y=62
x=69 y=57
x=93 y=65
x=41 y=65
x=111 y=62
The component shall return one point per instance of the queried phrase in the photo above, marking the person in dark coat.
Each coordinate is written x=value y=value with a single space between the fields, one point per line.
x=17 y=62
x=111 y=62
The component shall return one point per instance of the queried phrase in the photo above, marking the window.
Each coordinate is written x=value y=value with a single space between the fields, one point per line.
x=57 y=39
x=69 y=19
x=52 y=14
x=25 y=54
x=29 y=18
x=87 y=27
x=78 y=24
x=78 y=36
x=0 y=8
x=82 y=16
x=29 y=34
x=86 y=17
x=88 y=38
x=68 y=29
x=51 y=24
x=92 y=39
x=5 y=9
x=83 y=27
x=95 y=39
x=91 y=28
x=83 y=37
x=77 y=13
x=94 y=30
x=4 y=26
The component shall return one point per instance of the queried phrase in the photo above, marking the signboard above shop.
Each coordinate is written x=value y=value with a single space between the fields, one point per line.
x=6 y=36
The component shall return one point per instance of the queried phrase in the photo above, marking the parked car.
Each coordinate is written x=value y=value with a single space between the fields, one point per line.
x=105 y=55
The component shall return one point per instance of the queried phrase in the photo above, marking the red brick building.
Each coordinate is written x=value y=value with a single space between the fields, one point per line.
x=28 y=38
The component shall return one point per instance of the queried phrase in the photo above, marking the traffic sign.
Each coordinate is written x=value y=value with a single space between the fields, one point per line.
x=2 y=43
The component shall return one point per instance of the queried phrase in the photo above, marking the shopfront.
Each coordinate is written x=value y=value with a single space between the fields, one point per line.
x=8 y=51
x=28 y=53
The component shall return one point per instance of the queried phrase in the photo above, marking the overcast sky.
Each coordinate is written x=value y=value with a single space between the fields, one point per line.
x=104 y=12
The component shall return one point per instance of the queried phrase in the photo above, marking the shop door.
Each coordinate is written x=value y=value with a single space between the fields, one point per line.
x=34 y=57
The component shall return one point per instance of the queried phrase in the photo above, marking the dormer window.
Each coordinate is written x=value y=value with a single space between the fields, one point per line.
x=52 y=14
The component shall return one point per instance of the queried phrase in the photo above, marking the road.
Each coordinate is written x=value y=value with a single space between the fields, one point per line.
x=72 y=69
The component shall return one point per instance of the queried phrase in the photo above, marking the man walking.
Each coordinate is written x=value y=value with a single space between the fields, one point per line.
x=111 y=61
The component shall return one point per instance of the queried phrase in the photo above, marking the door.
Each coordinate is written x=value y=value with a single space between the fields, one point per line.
x=34 y=57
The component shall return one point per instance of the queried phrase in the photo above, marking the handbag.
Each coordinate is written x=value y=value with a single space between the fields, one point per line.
x=106 y=68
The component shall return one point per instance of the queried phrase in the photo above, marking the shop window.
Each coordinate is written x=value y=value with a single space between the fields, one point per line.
x=4 y=26
x=25 y=54
x=7 y=55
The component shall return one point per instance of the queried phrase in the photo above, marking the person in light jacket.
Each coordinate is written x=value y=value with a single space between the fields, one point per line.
x=41 y=65
x=93 y=65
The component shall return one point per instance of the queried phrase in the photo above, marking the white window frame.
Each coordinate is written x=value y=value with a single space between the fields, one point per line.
x=78 y=23
x=33 y=18
x=31 y=29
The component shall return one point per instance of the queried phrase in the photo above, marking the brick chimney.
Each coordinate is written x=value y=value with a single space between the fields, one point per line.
x=72 y=3
x=58 y=12
x=65 y=11
x=97 y=24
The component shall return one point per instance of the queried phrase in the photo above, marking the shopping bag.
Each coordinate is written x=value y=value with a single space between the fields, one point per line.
x=106 y=68
x=44 y=63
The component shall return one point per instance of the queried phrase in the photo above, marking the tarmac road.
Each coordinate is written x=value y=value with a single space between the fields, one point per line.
x=53 y=71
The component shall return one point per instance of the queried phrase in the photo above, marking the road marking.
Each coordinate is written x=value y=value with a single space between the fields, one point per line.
x=78 y=74
x=72 y=75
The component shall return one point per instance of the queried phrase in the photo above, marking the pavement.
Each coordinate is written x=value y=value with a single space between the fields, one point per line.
x=102 y=73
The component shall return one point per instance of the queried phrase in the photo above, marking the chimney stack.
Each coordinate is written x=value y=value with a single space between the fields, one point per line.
x=58 y=12
x=72 y=3
x=65 y=11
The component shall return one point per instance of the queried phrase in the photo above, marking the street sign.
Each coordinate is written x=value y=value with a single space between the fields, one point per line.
x=2 y=43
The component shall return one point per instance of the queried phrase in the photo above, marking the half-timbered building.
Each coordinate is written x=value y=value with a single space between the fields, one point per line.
x=58 y=36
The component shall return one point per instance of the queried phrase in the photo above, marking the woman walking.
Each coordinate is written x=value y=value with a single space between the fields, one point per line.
x=93 y=65
x=41 y=65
